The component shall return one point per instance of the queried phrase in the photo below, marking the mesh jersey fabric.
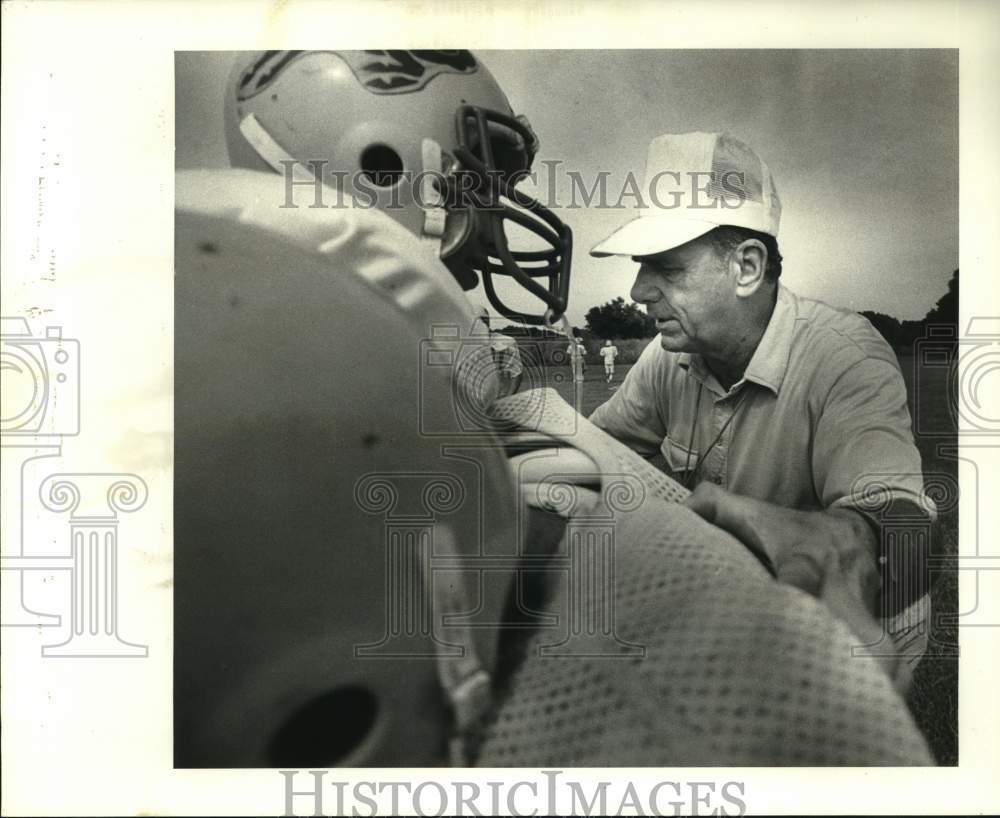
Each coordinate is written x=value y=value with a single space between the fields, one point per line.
x=543 y=411
x=721 y=665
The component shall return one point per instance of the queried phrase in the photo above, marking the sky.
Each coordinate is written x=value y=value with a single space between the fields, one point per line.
x=863 y=146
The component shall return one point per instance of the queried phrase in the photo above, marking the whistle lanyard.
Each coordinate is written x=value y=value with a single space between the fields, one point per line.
x=691 y=473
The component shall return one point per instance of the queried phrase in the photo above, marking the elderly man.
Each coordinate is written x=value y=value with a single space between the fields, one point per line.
x=787 y=416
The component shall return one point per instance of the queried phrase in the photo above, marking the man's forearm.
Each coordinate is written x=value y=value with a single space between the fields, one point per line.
x=802 y=545
x=830 y=554
x=858 y=548
x=902 y=555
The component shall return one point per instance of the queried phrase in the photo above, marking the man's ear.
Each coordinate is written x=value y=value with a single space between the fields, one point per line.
x=749 y=262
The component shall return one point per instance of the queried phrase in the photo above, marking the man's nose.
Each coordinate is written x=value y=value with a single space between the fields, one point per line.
x=643 y=291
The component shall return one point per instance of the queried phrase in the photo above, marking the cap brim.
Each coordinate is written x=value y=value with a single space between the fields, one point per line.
x=648 y=235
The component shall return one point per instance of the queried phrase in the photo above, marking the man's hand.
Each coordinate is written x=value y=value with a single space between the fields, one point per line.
x=828 y=554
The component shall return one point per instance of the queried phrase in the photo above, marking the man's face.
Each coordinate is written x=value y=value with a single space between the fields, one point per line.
x=691 y=296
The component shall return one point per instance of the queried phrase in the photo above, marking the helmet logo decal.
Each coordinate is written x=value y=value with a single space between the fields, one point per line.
x=380 y=72
x=264 y=70
x=395 y=72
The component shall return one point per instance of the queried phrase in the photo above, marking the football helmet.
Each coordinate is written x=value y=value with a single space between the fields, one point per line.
x=340 y=571
x=427 y=136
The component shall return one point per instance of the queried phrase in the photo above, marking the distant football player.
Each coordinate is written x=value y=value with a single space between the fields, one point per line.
x=609 y=352
x=506 y=356
x=576 y=354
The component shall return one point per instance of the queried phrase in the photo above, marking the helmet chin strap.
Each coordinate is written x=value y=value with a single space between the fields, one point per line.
x=435 y=215
x=463 y=677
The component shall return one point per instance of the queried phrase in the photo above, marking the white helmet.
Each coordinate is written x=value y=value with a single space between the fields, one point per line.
x=322 y=607
x=427 y=136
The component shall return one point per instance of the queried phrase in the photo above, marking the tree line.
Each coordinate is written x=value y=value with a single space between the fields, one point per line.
x=630 y=327
x=902 y=335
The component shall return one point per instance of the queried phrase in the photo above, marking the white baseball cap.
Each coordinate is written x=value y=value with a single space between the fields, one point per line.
x=695 y=182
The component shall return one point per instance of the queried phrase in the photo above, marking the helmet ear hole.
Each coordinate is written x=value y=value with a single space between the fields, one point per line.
x=381 y=165
x=326 y=730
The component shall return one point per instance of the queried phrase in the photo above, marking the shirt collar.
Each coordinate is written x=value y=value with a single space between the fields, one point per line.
x=770 y=360
x=769 y=363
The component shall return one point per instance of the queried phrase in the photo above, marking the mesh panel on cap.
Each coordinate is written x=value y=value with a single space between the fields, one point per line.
x=738 y=669
x=735 y=166
x=775 y=198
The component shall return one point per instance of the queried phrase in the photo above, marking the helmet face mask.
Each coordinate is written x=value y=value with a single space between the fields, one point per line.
x=363 y=122
x=496 y=151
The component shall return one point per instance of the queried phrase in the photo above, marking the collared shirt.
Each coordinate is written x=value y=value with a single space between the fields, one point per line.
x=819 y=419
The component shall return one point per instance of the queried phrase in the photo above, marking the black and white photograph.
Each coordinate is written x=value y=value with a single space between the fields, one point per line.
x=711 y=546
x=577 y=426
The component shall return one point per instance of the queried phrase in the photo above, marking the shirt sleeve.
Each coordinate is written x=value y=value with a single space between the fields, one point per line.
x=863 y=450
x=635 y=414
x=864 y=458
